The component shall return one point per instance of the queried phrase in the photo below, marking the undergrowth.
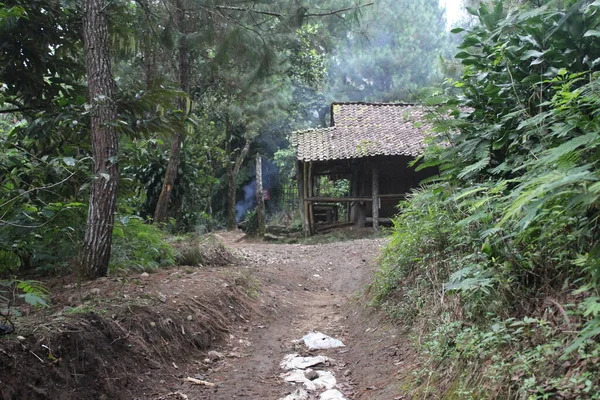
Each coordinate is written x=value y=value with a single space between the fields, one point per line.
x=494 y=268
x=484 y=327
x=139 y=246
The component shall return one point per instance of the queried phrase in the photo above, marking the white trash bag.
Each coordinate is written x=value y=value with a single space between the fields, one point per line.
x=326 y=379
x=320 y=341
x=295 y=361
x=299 y=394
x=332 y=394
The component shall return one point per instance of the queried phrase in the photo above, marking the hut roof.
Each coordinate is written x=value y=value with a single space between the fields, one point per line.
x=363 y=130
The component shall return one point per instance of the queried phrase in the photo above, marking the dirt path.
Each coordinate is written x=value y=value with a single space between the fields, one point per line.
x=145 y=336
x=306 y=288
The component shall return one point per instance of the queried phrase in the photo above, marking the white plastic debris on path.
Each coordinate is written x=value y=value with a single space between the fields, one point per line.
x=320 y=341
x=332 y=394
x=326 y=380
x=295 y=361
x=299 y=394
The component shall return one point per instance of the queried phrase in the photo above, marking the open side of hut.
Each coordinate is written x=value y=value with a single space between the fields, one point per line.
x=371 y=145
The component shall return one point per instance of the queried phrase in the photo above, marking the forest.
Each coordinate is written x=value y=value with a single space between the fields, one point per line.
x=127 y=124
x=146 y=119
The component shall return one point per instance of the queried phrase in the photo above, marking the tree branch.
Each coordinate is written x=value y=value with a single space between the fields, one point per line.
x=22 y=109
x=334 y=12
x=280 y=15
x=233 y=8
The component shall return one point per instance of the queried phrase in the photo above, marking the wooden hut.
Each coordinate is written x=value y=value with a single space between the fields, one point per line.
x=371 y=145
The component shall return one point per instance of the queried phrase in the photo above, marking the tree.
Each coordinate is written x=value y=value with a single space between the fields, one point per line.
x=391 y=52
x=95 y=253
x=248 y=40
x=181 y=22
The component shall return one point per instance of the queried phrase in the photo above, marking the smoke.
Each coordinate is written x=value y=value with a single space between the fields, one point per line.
x=249 y=201
x=392 y=52
x=270 y=175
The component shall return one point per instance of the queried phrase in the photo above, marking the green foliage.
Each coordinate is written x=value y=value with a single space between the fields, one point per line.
x=250 y=222
x=41 y=210
x=28 y=291
x=38 y=72
x=139 y=246
x=494 y=298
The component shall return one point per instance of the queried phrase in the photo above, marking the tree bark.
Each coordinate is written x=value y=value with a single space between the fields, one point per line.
x=161 y=213
x=97 y=242
x=232 y=174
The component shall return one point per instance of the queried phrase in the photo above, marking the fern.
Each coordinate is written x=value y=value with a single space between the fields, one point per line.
x=31 y=292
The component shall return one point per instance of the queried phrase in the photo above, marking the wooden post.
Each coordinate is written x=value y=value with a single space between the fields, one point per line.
x=311 y=214
x=375 y=192
x=260 y=201
x=302 y=195
x=306 y=204
x=353 y=214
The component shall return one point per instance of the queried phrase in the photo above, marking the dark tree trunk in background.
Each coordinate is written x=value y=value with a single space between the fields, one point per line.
x=232 y=182
x=149 y=62
x=232 y=174
x=161 y=213
x=97 y=242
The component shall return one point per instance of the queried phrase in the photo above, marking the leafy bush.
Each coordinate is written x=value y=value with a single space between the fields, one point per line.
x=250 y=222
x=13 y=290
x=495 y=267
x=139 y=246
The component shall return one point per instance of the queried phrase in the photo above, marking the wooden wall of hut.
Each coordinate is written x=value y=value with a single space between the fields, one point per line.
x=395 y=178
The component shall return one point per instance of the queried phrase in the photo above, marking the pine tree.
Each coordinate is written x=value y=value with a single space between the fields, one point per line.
x=95 y=254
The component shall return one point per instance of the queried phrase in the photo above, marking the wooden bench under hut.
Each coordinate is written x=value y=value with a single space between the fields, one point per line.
x=371 y=145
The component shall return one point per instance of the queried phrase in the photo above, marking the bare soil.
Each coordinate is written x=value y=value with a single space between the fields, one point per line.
x=227 y=327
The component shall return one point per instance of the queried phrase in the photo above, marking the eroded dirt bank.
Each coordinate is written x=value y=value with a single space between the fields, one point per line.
x=230 y=345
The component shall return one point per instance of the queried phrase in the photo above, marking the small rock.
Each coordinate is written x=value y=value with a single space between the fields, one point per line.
x=215 y=355
x=162 y=298
x=234 y=354
x=189 y=318
x=311 y=375
x=21 y=338
x=95 y=292
x=347 y=372
x=145 y=275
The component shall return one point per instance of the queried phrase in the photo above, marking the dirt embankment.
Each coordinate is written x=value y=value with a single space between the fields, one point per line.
x=226 y=328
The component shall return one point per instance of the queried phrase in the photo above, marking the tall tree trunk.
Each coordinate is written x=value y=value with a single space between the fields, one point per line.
x=97 y=242
x=232 y=182
x=149 y=62
x=232 y=174
x=161 y=213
